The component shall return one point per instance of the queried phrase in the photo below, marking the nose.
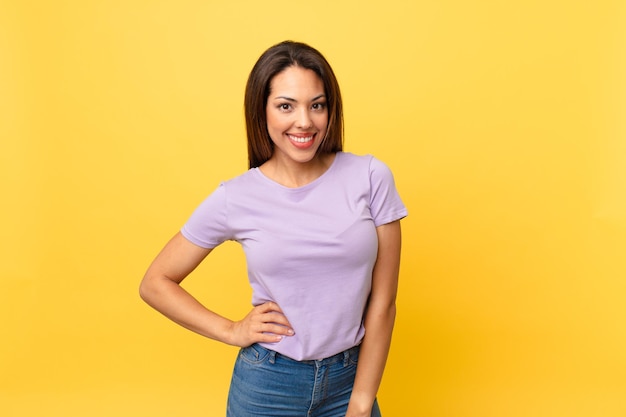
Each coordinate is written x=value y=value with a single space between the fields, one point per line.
x=304 y=119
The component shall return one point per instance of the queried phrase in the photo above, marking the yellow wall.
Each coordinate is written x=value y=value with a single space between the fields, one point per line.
x=503 y=122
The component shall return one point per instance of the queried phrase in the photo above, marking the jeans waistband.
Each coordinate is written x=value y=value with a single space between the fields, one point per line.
x=345 y=356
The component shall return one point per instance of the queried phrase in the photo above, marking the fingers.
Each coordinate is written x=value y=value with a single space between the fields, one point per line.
x=268 y=306
x=270 y=312
x=273 y=334
x=276 y=329
x=265 y=323
x=276 y=318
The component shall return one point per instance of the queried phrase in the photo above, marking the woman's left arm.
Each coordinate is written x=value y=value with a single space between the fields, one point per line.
x=379 y=319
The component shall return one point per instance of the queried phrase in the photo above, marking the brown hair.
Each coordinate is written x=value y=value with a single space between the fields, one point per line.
x=273 y=61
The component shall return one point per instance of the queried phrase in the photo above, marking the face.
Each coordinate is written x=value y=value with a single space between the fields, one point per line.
x=297 y=115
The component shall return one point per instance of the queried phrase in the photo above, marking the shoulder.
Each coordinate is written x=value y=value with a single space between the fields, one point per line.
x=367 y=162
x=226 y=190
x=242 y=181
x=347 y=160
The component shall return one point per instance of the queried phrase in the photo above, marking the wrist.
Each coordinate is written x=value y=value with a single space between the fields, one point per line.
x=228 y=333
x=360 y=404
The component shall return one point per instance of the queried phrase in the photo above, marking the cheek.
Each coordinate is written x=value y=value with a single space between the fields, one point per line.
x=273 y=122
x=322 y=123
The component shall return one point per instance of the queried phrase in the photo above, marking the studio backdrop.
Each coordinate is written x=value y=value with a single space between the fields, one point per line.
x=503 y=122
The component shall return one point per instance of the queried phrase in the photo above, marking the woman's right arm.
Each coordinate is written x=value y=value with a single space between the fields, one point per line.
x=161 y=289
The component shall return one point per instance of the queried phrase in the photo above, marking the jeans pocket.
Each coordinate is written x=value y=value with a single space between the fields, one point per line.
x=353 y=359
x=254 y=354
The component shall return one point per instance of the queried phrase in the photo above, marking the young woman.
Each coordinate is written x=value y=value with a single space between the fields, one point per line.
x=321 y=233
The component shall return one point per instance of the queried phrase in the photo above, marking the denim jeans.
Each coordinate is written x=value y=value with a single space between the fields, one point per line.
x=266 y=383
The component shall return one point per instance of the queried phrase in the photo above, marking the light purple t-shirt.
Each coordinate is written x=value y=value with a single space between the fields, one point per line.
x=309 y=249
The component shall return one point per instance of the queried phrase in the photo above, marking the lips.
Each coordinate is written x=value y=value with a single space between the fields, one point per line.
x=301 y=139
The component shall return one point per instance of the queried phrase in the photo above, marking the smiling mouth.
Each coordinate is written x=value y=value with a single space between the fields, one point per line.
x=301 y=139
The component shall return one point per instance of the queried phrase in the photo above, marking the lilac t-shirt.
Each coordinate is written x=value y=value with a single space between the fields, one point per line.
x=309 y=249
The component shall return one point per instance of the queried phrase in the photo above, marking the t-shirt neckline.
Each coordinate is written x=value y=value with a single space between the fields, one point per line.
x=304 y=187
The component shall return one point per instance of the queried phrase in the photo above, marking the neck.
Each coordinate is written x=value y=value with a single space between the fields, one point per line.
x=295 y=174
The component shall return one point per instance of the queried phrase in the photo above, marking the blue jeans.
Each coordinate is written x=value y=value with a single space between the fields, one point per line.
x=266 y=383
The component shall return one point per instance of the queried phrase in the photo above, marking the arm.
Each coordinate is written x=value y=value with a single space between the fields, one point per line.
x=379 y=320
x=161 y=289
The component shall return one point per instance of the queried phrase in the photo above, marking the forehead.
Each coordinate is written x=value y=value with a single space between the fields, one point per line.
x=296 y=80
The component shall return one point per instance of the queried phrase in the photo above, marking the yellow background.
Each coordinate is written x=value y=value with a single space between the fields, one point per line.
x=503 y=121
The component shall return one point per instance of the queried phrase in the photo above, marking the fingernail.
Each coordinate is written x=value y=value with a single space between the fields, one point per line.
x=290 y=331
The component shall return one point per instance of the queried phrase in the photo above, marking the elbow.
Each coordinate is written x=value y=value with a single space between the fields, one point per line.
x=387 y=306
x=383 y=311
x=391 y=312
x=142 y=290
x=153 y=288
x=146 y=289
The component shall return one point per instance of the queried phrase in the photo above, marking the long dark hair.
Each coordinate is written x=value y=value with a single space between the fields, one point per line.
x=273 y=61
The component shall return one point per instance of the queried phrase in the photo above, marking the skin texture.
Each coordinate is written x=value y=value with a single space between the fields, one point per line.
x=379 y=321
x=160 y=289
x=295 y=110
x=296 y=107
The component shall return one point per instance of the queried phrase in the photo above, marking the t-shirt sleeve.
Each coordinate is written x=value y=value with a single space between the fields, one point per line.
x=208 y=225
x=385 y=203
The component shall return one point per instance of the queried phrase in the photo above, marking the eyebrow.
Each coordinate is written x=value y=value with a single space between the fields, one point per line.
x=294 y=100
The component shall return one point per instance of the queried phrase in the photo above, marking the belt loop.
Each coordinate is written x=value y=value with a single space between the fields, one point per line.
x=346 y=357
x=272 y=356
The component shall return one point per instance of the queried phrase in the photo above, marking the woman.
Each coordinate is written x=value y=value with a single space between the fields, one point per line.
x=321 y=233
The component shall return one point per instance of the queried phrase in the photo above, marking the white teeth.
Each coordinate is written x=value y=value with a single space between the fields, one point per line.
x=301 y=140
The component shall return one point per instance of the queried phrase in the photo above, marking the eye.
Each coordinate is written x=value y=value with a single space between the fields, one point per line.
x=318 y=106
x=284 y=107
